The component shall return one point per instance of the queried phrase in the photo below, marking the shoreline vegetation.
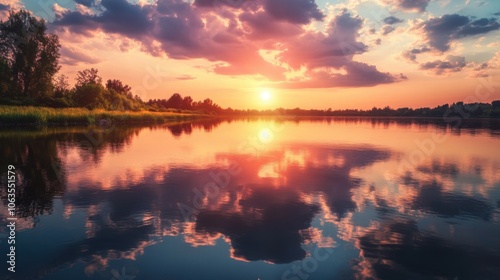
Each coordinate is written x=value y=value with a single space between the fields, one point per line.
x=44 y=116
x=26 y=116
x=32 y=93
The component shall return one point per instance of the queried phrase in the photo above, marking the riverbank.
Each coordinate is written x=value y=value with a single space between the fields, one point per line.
x=36 y=116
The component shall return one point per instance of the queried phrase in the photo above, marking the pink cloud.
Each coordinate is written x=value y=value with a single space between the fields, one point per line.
x=233 y=36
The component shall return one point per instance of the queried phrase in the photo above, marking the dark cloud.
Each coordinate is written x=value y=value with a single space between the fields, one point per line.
x=215 y=3
x=409 y=5
x=261 y=26
x=77 y=22
x=411 y=55
x=451 y=64
x=86 y=3
x=294 y=11
x=497 y=14
x=119 y=17
x=387 y=29
x=479 y=26
x=4 y=7
x=442 y=30
x=392 y=20
x=123 y=17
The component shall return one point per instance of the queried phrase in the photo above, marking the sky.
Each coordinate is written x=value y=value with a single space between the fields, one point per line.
x=317 y=54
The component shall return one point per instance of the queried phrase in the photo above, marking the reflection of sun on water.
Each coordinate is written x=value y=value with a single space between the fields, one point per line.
x=266 y=135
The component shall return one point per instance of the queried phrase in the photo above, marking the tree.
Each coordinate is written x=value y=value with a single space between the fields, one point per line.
x=91 y=96
x=175 y=101
x=119 y=87
x=30 y=54
x=187 y=103
x=495 y=104
x=5 y=78
x=61 y=86
x=87 y=77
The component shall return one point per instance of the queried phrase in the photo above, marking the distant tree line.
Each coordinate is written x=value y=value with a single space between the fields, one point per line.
x=176 y=101
x=459 y=109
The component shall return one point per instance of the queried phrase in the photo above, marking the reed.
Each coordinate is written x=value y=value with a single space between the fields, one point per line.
x=28 y=115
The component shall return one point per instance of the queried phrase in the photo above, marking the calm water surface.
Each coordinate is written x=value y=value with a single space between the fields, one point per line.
x=256 y=199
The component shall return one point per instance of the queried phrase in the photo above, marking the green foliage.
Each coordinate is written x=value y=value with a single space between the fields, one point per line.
x=30 y=55
x=27 y=115
x=88 y=76
x=118 y=87
x=61 y=86
x=5 y=78
x=91 y=96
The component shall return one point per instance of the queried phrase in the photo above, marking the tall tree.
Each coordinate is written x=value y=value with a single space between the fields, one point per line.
x=88 y=77
x=30 y=53
x=119 y=87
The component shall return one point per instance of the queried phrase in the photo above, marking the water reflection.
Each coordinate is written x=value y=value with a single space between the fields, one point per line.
x=125 y=191
x=399 y=250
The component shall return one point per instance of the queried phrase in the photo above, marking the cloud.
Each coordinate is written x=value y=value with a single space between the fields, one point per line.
x=329 y=58
x=440 y=31
x=450 y=65
x=71 y=56
x=4 y=7
x=58 y=10
x=261 y=26
x=119 y=17
x=294 y=11
x=392 y=20
x=8 y=5
x=86 y=3
x=357 y=74
x=486 y=69
x=411 y=55
x=479 y=26
x=215 y=3
x=409 y=5
x=185 y=77
x=232 y=37
x=315 y=49
x=387 y=29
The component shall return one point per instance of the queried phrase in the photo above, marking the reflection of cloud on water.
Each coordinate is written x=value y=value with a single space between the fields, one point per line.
x=267 y=212
x=400 y=250
x=259 y=221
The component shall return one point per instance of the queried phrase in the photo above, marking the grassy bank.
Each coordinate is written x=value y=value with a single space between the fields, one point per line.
x=27 y=115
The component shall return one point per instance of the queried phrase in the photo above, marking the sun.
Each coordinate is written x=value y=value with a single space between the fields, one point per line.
x=265 y=95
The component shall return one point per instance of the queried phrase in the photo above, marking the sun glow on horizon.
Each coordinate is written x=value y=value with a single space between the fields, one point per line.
x=265 y=95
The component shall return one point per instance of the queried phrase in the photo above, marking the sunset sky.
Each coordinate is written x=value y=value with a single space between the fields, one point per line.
x=304 y=53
